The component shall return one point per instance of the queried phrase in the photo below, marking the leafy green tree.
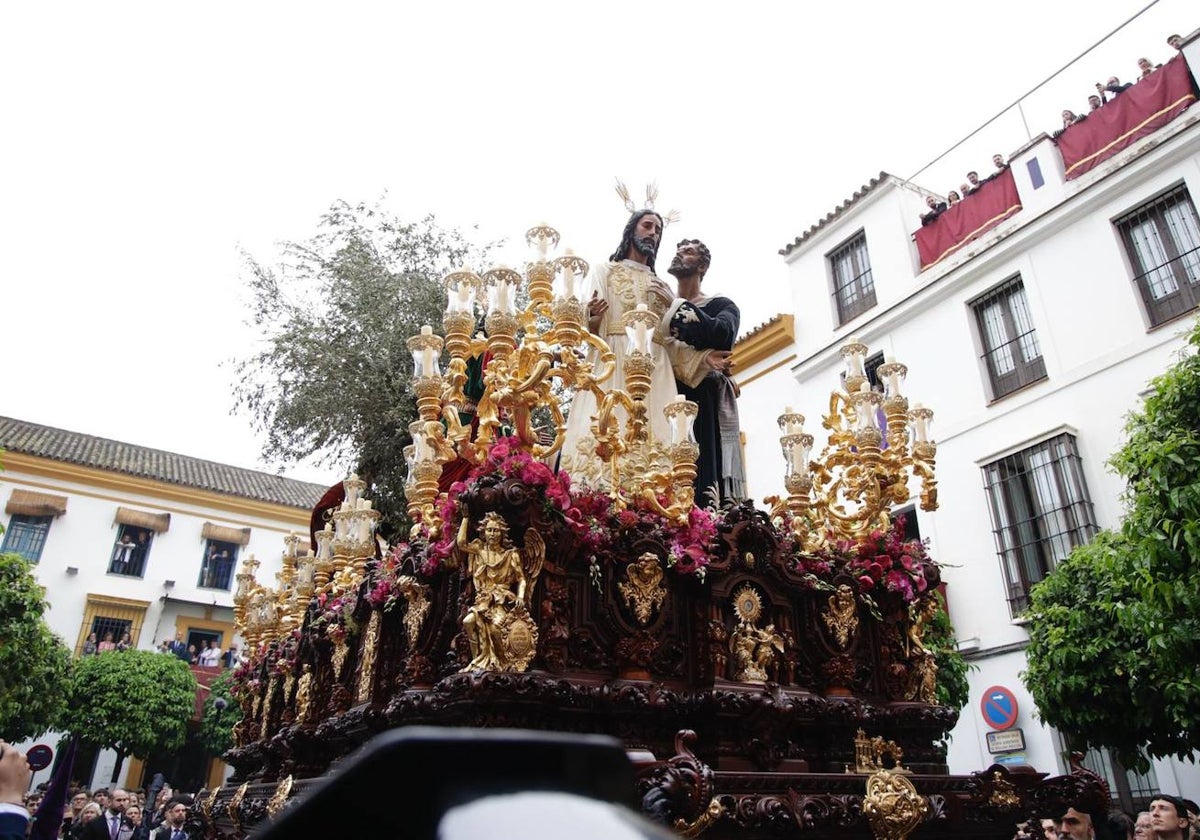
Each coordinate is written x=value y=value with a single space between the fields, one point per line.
x=133 y=701
x=216 y=726
x=34 y=663
x=1115 y=629
x=332 y=379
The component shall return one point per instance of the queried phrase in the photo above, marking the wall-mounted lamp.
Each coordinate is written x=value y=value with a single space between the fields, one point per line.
x=168 y=584
x=72 y=570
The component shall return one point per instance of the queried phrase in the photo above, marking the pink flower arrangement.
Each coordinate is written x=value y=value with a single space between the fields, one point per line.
x=883 y=562
x=599 y=524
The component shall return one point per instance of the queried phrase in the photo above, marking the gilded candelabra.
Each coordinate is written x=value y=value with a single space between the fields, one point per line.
x=876 y=441
x=263 y=615
x=529 y=349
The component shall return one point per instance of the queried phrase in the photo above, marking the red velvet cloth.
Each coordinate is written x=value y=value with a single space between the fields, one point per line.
x=969 y=219
x=1126 y=118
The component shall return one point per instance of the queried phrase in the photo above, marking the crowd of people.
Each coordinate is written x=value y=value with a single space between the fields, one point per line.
x=1104 y=94
x=1167 y=818
x=938 y=206
x=205 y=656
x=118 y=814
x=1114 y=87
x=158 y=813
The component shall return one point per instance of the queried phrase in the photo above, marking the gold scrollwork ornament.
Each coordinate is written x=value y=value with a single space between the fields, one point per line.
x=366 y=673
x=642 y=589
x=893 y=806
x=841 y=616
x=1004 y=793
x=235 y=807
x=279 y=798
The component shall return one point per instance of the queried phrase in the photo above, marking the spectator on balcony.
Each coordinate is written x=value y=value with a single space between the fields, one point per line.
x=1114 y=86
x=1146 y=67
x=973 y=182
x=210 y=657
x=231 y=658
x=953 y=198
x=107 y=645
x=1175 y=42
x=999 y=162
x=1094 y=102
x=90 y=646
x=936 y=206
x=122 y=554
x=1069 y=118
x=126 y=642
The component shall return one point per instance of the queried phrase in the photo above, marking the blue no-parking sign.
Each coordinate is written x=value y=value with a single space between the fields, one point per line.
x=999 y=707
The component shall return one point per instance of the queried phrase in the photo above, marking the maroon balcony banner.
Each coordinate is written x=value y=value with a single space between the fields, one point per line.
x=969 y=219
x=1126 y=118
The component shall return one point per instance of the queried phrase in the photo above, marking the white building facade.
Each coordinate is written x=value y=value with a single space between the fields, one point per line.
x=127 y=539
x=1031 y=344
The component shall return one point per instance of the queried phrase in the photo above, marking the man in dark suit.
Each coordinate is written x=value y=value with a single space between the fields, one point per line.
x=111 y=825
x=175 y=814
x=14 y=781
x=179 y=648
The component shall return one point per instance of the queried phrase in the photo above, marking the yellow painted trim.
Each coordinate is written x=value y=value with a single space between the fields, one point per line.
x=123 y=608
x=777 y=334
x=184 y=622
x=134 y=770
x=743 y=383
x=216 y=773
x=15 y=462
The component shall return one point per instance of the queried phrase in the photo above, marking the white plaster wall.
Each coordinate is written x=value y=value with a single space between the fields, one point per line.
x=1099 y=357
x=83 y=538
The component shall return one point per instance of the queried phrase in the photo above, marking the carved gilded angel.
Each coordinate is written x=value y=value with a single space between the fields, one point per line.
x=504 y=578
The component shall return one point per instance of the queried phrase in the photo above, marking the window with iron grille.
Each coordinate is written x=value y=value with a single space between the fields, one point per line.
x=1162 y=239
x=109 y=629
x=216 y=570
x=1130 y=790
x=853 y=287
x=130 y=551
x=1011 y=351
x=1040 y=510
x=26 y=535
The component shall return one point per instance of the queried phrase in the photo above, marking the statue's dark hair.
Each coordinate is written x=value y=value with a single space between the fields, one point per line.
x=627 y=237
x=705 y=256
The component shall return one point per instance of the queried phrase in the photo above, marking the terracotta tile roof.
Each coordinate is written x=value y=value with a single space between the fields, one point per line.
x=837 y=211
x=101 y=453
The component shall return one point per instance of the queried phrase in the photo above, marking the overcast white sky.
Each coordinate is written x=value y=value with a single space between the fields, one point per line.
x=144 y=144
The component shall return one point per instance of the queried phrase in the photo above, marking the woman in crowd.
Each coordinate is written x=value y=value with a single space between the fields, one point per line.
x=108 y=644
x=89 y=647
x=953 y=198
x=126 y=642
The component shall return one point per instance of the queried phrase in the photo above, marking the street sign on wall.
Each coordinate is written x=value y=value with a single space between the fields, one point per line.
x=998 y=707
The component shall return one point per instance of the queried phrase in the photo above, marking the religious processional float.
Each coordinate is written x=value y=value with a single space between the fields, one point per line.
x=772 y=664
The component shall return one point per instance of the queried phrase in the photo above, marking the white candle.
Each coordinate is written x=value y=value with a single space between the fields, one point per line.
x=679 y=421
x=543 y=242
x=893 y=381
x=569 y=277
x=639 y=330
x=462 y=297
x=502 y=299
